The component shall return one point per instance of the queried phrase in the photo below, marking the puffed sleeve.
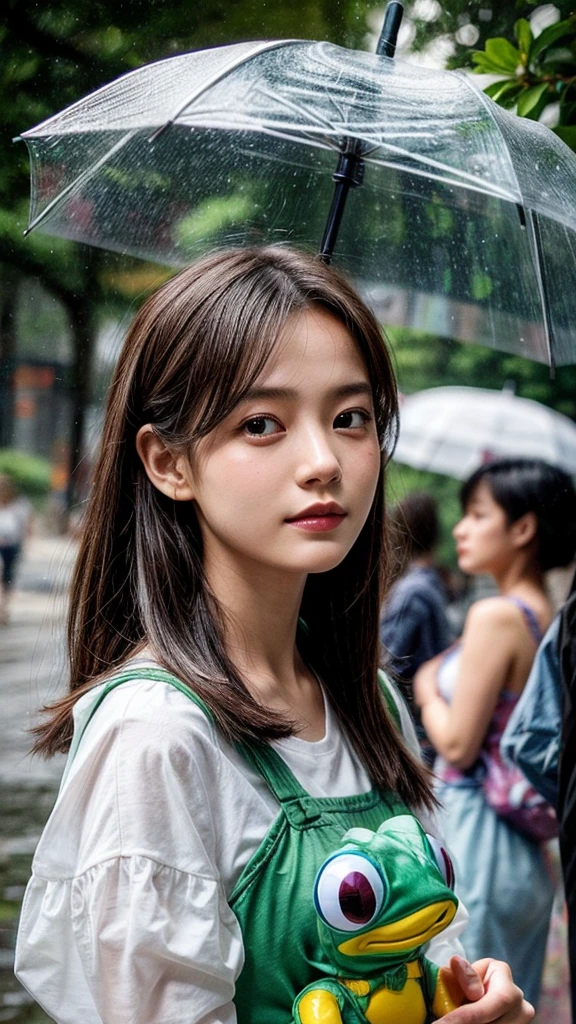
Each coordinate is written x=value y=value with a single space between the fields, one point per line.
x=125 y=920
x=130 y=941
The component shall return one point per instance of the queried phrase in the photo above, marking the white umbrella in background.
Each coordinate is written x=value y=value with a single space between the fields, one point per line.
x=453 y=430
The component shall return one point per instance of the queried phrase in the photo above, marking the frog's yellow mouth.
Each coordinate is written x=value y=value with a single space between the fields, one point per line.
x=404 y=935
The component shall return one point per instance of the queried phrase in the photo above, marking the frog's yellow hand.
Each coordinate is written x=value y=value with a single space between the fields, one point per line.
x=448 y=995
x=319 y=1007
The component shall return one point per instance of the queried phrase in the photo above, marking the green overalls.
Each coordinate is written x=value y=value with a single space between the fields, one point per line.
x=273 y=898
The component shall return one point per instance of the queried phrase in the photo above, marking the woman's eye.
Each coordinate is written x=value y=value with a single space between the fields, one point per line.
x=261 y=426
x=349 y=420
x=349 y=892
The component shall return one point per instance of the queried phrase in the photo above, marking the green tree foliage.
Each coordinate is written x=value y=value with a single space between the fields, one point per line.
x=52 y=55
x=31 y=475
x=537 y=72
x=426 y=361
x=533 y=73
x=487 y=18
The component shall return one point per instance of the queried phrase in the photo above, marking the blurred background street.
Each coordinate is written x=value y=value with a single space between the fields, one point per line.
x=31 y=664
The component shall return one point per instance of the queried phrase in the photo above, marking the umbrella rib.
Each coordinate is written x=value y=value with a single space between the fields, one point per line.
x=542 y=289
x=80 y=180
x=263 y=47
x=294 y=107
x=486 y=187
x=491 y=191
x=480 y=94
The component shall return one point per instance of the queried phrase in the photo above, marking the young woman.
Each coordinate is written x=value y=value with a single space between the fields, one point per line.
x=519 y=521
x=225 y=714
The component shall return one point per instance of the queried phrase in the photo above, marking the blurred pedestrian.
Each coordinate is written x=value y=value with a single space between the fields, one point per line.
x=414 y=625
x=14 y=525
x=519 y=521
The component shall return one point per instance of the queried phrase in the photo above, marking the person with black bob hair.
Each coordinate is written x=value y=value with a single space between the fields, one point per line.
x=519 y=521
x=522 y=486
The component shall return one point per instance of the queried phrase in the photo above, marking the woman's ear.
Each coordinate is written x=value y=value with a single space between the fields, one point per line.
x=524 y=530
x=168 y=471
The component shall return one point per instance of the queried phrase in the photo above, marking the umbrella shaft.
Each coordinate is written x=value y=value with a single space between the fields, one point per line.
x=392 y=20
x=349 y=174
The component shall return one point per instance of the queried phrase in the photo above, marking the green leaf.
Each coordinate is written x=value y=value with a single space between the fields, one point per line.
x=567 y=134
x=523 y=33
x=549 y=36
x=530 y=98
x=503 y=91
x=501 y=53
x=484 y=66
x=567 y=112
x=563 y=55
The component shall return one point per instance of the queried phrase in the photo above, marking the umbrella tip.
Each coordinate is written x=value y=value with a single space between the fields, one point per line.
x=389 y=35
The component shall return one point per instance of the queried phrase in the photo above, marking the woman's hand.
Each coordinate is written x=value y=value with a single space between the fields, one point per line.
x=492 y=994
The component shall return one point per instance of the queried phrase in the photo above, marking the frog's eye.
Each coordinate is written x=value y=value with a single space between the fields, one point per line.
x=349 y=891
x=443 y=861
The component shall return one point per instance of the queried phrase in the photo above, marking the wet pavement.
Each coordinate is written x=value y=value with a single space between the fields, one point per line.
x=31 y=673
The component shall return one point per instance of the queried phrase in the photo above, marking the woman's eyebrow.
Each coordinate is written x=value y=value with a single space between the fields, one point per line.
x=359 y=387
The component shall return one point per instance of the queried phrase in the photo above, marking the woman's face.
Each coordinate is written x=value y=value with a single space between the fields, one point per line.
x=288 y=479
x=485 y=542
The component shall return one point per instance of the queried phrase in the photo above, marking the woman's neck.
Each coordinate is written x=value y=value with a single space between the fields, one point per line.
x=260 y=609
x=519 y=578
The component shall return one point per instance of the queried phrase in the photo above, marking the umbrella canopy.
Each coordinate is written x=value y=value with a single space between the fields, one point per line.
x=464 y=224
x=453 y=430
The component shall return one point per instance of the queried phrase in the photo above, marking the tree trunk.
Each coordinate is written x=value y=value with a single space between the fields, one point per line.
x=8 y=298
x=82 y=317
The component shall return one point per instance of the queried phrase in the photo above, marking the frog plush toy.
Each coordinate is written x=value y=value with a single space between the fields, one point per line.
x=380 y=899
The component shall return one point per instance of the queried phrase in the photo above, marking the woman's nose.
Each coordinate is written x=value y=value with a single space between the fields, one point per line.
x=458 y=530
x=319 y=462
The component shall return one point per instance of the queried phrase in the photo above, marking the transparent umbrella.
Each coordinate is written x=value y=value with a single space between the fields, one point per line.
x=453 y=430
x=462 y=221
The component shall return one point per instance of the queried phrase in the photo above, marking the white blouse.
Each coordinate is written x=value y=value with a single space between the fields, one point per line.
x=126 y=917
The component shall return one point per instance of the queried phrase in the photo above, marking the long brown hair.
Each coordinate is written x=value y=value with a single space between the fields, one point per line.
x=193 y=351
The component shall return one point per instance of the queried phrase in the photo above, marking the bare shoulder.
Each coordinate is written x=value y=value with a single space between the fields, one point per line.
x=492 y=612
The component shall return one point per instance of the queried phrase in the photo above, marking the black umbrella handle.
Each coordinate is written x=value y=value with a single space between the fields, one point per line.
x=350 y=170
x=348 y=174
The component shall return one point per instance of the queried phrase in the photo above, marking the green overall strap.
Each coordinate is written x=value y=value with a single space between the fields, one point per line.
x=265 y=761
x=261 y=756
x=128 y=675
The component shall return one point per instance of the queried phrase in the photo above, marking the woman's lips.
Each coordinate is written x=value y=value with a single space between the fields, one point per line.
x=318 y=523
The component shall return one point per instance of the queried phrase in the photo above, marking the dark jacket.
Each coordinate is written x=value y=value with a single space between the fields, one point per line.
x=414 y=625
x=567 y=774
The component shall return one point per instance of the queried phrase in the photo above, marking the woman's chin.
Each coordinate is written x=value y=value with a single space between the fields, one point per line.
x=322 y=561
x=468 y=565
